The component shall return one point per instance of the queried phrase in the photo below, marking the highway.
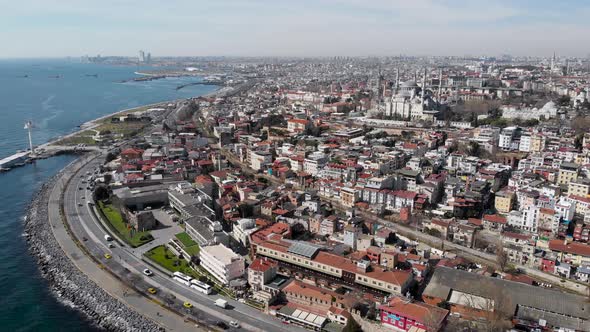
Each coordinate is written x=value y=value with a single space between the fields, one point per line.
x=126 y=263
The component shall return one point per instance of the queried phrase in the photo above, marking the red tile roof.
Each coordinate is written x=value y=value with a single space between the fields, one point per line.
x=494 y=218
x=571 y=248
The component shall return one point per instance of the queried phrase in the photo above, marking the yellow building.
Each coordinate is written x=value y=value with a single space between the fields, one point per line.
x=504 y=201
x=537 y=143
x=568 y=172
x=580 y=187
x=348 y=196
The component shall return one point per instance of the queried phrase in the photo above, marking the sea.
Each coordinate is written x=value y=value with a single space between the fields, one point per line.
x=57 y=95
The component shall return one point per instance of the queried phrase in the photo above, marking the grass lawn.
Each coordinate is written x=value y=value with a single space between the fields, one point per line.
x=193 y=250
x=186 y=240
x=115 y=221
x=82 y=137
x=124 y=128
x=166 y=259
x=188 y=243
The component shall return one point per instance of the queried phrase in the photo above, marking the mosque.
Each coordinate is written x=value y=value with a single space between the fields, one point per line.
x=411 y=102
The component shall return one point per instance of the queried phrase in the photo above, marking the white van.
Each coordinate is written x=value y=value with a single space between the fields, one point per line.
x=108 y=237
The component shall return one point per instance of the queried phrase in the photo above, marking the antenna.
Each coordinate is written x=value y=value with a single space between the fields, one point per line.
x=29 y=127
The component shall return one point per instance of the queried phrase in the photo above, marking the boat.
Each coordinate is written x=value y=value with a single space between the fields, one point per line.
x=91 y=75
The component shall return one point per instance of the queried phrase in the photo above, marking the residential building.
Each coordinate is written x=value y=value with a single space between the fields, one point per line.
x=222 y=263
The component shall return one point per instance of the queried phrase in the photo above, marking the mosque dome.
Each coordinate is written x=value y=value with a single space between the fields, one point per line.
x=409 y=84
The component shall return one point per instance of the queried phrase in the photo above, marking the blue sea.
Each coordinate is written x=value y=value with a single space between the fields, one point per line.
x=29 y=90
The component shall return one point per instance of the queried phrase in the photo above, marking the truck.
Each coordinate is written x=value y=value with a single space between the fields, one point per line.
x=221 y=303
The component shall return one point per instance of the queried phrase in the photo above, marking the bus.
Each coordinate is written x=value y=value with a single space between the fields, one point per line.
x=201 y=286
x=182 y=278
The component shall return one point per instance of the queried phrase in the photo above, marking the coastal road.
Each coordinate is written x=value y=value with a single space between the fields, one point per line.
x=128 y=262
x=97 y=274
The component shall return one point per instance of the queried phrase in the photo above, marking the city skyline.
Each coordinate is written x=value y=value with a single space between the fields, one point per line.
x=309 y=28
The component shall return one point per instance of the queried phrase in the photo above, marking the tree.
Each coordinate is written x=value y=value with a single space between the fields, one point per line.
x=100 y=193
x=501 y=256
x=564 y=100
x=579 y=141
x=473 y=149
x=352 y=326
x=110 y=157
x=107 y=178
x=581 y=124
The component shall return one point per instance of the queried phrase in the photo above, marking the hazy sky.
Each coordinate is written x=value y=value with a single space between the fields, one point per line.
x=38 y=28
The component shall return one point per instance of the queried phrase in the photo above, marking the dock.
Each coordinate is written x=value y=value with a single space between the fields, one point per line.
x=17 y=159
x=42 y=152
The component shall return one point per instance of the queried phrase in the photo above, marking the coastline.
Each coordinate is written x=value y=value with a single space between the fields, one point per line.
x=95 y=122
x=68 y=284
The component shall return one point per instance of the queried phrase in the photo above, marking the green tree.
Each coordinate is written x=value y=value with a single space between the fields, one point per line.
x=100 y=193
x=579 y=141
x=564 y=100
x=473 y=149
x=110 y=157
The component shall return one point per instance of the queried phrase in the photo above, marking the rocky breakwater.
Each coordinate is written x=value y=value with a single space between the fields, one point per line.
x=67 y=282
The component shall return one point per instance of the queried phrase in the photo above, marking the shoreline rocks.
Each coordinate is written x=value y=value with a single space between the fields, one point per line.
x=68 y=284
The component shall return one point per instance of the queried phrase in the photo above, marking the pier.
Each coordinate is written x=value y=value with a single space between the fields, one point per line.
x=41 y=152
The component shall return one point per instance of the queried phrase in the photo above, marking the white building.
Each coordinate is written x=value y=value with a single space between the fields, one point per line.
x=525 y=143
x=530 y=219
x=222 y=263
x=242 y=230
x=259 y=159
x=410 y=102
x=507 y=137
x=314 y=163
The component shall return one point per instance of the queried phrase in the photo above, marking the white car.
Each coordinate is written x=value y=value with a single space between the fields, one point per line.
x=148 y=272
x=234 y=324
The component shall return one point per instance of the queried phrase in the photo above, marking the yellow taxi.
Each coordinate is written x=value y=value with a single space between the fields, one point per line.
x=152 y=290
x=107 y=256
x=187 y=305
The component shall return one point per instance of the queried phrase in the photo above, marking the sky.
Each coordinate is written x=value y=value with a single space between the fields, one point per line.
x=56 y=28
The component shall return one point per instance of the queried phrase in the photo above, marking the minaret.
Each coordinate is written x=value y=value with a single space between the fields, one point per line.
x=553 y=62
x=396 y=80
x=423 y=89
x=439 y=83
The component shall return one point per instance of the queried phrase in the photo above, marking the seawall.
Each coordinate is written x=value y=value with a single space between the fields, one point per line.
x=67 y=282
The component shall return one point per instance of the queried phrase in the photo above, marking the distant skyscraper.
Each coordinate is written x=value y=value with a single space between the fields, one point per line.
x=148 y=58
x=141 y=56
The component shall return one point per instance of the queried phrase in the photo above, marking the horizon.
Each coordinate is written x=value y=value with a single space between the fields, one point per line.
x=264 y=28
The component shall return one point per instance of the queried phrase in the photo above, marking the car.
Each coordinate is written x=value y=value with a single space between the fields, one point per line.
x=221 y=325
x=79 y=188
x=152 y=290
x=84 y=238
x=107 y=256
x=80 y=204
x=187 y=305
x=147 y=272
x=234 y=324
x=111 y=245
